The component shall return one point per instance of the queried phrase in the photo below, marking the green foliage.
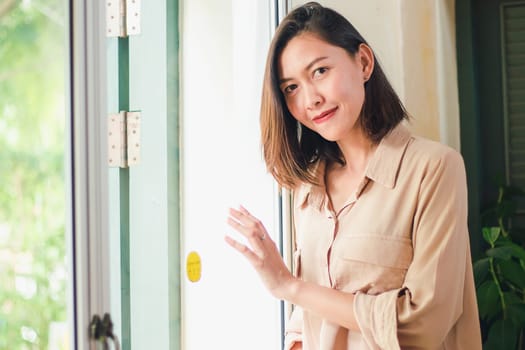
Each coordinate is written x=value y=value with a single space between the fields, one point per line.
x=500 y=276
x=32 y=189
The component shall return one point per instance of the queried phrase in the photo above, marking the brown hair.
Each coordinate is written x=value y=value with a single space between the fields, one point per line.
x=290 y=149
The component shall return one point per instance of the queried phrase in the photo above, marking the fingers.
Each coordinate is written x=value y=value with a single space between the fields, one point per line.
x=248 y=225
x=246 y=212
x=261 y=251
x=243 y=216
x=251 y=232
x=244 y=250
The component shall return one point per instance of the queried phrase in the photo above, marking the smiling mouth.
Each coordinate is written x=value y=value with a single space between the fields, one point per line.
x=324 y=116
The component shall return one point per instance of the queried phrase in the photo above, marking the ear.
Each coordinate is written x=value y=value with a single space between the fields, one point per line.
x=366 y=59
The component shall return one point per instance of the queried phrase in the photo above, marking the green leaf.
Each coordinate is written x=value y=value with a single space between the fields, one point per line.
x=511 y=298
x=506 y=249
x=491 y=234
x=489 y=304
x=512 y=271
x=518 y=251
x=481 y=270
x=516 y=313
x=502 y=335
x=502 y=252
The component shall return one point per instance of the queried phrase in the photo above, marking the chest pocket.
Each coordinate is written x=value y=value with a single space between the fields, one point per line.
x=371 y=264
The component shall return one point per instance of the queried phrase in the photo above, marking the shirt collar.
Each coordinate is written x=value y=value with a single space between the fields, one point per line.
x=384 y=164
x=313 y=194
x=383 y=167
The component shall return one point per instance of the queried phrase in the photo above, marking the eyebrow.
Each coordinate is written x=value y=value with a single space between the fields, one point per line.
x=307 y=68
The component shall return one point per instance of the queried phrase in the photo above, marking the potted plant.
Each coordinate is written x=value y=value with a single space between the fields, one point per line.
x=500 y=275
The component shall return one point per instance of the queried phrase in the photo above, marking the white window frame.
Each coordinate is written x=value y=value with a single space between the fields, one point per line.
x=85 y=171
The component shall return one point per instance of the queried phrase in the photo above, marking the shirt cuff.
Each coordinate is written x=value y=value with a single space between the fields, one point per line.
x=294 y=328
x=291 y=338
x=376 y=316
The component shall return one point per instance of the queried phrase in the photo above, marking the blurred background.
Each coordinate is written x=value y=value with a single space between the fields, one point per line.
x=32 y=188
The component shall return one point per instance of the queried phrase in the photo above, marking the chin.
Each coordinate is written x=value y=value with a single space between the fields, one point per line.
x=330 y=137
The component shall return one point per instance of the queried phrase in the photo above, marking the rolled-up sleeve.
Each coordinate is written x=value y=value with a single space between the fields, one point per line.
x=293 y=333
x=422 y=312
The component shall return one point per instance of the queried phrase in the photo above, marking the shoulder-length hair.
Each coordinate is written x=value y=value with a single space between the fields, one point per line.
x=291 y=151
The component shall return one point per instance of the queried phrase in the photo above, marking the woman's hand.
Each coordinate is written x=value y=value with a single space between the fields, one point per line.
x=262 y=252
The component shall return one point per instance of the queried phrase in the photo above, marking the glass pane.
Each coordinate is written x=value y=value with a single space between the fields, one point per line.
x=33 y=271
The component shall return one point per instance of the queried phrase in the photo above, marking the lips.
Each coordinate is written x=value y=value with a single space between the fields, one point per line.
x=324 y=116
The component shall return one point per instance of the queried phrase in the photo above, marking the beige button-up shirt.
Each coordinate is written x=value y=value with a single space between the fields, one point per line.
x=400 y=244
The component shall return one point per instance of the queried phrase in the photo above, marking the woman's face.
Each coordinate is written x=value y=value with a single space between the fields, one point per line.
x=323 y=85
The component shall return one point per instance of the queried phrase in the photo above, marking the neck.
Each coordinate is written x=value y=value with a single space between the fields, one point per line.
x=357 y=150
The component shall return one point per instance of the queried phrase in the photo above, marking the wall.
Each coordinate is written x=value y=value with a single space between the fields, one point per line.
x=415 y=43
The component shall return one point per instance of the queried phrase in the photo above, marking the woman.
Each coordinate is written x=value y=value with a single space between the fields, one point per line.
x=382 y=258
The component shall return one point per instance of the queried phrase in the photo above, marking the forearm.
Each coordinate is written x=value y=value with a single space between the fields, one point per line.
x=331 y=304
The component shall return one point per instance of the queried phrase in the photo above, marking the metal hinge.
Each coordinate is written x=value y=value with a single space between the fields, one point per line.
x=101 y=331
x=122 y=18
x=124 y=139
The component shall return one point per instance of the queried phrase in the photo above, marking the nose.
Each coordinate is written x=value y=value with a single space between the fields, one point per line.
x=313 y=98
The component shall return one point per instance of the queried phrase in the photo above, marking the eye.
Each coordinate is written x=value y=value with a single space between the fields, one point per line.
x=319 y=71
x=289 y=89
